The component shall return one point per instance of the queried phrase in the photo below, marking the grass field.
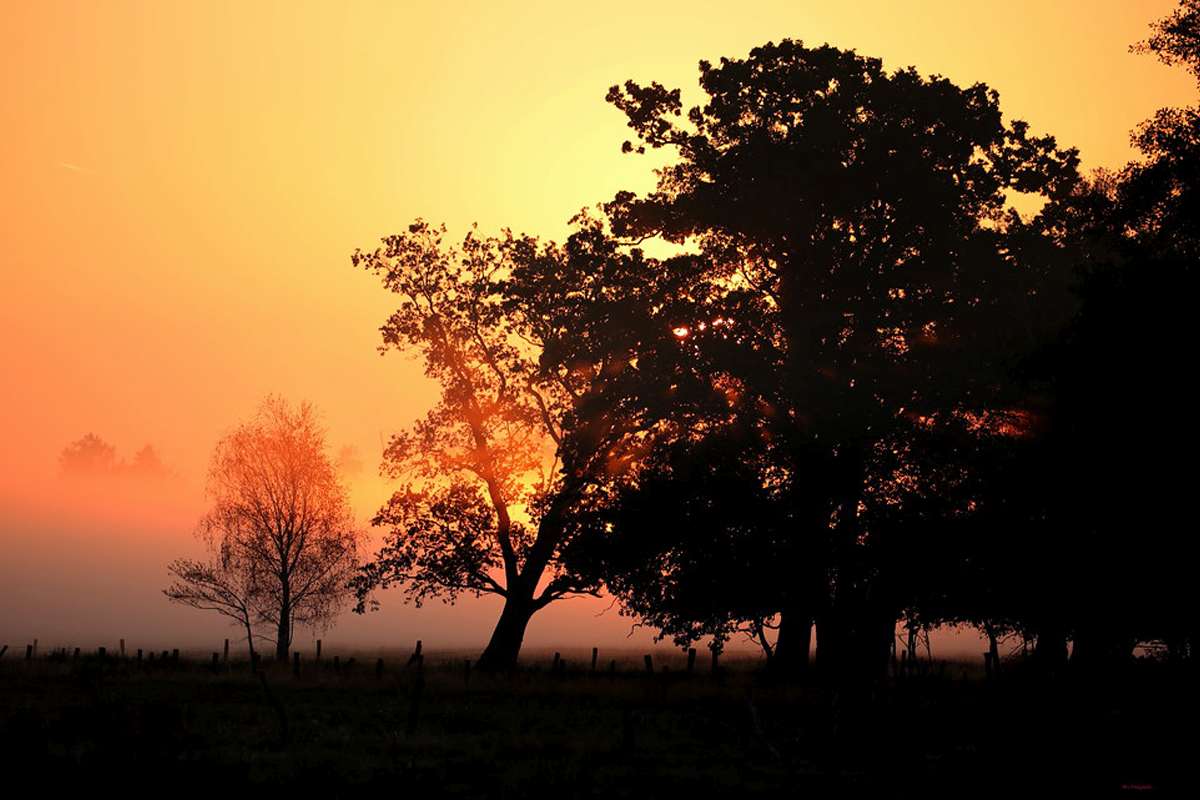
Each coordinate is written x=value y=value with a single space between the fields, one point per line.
x=185 y=729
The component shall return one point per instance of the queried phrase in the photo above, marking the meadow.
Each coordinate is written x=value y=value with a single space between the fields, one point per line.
x=192 y=728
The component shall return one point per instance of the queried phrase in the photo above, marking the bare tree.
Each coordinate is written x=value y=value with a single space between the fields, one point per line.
x=281 y=527
x=223 y=585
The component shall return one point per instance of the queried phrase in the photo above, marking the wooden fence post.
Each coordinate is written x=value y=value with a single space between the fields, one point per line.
x=416 y=657
x=595 y=655
x=225 y=653
x=318 y=651
x=3 y=650
x=554 y=666
x=29 y=652
x=691 y=667
x=122 y=649
x=649 y=663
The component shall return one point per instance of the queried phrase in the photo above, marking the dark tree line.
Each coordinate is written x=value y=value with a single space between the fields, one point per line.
x=868 y=389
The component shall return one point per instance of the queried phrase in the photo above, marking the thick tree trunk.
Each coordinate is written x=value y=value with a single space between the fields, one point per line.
x=830 y=646
x=793 y=643
x=1050 y=650
x=847 y=628
x=1097 y=647
x=505 y=645
x=879 y=633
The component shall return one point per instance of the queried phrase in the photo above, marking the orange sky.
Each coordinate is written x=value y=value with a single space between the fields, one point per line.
x=183 y=184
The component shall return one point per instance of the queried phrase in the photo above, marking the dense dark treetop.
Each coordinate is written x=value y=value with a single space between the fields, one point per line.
x=866 y=209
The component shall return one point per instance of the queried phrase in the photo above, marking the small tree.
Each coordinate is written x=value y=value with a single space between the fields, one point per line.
x=280 y=527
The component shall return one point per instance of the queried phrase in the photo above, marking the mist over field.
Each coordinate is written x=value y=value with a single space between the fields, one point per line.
x=85 y=564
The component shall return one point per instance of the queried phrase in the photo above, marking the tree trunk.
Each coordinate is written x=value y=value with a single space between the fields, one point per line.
x=505 y=645
x=1098 y=646
x=760 y=635
x=283 y=642
x=793 y=643
x=993 y=648
x=1050 y=649
x=250 y=639
x=830 y=646
x=847 y=614
x=879 y=634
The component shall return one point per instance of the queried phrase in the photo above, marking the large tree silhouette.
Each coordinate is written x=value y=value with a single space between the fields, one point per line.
x=543 y=353
x=867 y=214
x=519 y=437
x=1117 y=430
x=1074 y=529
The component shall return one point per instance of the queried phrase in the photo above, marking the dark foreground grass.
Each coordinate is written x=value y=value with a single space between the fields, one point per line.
x=183 y=730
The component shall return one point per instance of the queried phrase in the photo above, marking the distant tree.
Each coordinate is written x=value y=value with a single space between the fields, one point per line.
x=147 y=462
x=91 y=455
x=284 y=540
x=88 y=455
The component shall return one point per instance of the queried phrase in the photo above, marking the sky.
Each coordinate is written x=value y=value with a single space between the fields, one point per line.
x=182 y=185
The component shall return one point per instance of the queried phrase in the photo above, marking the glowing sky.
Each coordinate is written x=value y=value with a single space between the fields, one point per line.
x=182 y=183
